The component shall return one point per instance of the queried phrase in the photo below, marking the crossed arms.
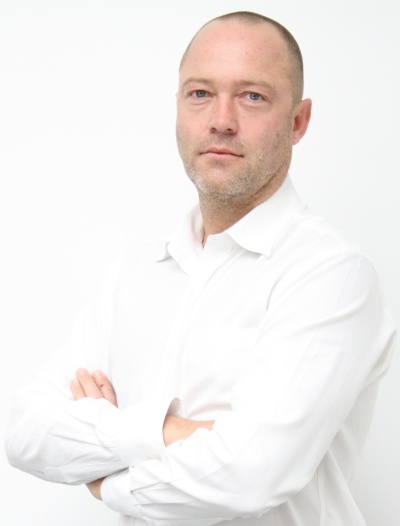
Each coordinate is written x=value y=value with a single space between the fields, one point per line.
x=285 y=409
x=97 y=386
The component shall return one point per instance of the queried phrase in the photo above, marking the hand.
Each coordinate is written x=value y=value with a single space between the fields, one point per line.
x=95 y=488
x=96 y=385
x=176 y=428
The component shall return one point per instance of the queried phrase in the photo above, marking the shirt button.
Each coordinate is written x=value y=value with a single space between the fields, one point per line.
x=193 y=292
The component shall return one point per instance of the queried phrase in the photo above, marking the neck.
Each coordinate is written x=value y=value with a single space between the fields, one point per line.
x=219 y=212
x=218 y=217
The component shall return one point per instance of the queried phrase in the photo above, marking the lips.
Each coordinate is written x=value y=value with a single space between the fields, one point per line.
x=222 y=152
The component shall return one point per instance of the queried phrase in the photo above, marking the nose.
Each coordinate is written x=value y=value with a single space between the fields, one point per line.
x=224 y=118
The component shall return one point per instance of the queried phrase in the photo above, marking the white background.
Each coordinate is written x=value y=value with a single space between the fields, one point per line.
x=88 y=161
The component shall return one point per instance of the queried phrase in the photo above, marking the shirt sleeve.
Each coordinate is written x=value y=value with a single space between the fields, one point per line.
x=325 y=338
x=58 y=439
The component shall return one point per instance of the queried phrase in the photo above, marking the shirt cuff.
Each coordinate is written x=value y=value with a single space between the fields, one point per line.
x=139 y=435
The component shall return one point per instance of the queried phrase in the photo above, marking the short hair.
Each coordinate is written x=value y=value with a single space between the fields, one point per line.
x=294 y=53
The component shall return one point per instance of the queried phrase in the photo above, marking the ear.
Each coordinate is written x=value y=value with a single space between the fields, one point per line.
x=301 y=119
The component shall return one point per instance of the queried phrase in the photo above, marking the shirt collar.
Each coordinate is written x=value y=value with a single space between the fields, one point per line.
x=256 y=231
x=186 y=239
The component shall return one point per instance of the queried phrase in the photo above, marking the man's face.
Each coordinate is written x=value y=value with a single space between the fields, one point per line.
x=235 y=120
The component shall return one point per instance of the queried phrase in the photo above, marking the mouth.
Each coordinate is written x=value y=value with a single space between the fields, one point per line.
x=220 y=153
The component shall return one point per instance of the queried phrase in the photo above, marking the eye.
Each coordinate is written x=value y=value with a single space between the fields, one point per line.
x=254 y=96
x=199 y=94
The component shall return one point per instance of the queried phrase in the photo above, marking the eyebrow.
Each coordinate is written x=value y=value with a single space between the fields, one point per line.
x=196 y=79
x=240 y=83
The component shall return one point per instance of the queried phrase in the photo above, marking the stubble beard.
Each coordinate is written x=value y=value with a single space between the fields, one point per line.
x=263 y=173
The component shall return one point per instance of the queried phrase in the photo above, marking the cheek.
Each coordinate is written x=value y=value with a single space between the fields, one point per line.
x=189 y=133
x=255 y=128
x=277 y=133
x=184 y=126
x=184 y=138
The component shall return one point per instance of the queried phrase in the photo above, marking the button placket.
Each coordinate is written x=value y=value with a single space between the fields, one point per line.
x=200 y=271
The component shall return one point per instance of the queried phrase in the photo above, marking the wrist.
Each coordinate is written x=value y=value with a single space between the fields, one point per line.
x=176 y=428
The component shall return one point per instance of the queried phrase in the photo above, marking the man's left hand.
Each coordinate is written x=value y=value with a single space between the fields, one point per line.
x=96 y=385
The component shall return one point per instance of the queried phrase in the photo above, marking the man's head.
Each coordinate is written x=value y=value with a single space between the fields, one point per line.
x=239 y=108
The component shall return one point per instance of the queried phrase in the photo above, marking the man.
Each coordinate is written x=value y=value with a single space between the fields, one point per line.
x=230 y=372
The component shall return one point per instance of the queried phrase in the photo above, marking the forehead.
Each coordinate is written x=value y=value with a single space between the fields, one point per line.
x=232 y=47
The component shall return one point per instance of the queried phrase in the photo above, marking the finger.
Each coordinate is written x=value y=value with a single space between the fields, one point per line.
x=76 y=388
x=105 y=386
x=88 y=384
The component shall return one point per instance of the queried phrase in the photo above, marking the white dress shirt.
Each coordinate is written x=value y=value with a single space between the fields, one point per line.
x=276 y=330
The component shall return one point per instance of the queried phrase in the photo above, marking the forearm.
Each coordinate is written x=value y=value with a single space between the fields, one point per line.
x=62 y=440
x=200 y=477
x=174 y=429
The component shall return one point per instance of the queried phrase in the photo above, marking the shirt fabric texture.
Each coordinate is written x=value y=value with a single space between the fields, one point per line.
x=276 y=330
